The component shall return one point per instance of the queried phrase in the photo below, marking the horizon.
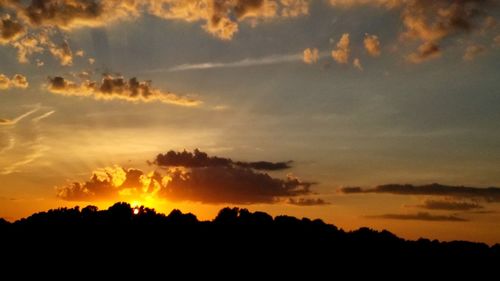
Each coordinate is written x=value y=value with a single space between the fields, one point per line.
x=380 y=114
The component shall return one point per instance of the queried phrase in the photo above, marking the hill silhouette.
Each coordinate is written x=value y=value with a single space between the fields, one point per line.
x=234 y=235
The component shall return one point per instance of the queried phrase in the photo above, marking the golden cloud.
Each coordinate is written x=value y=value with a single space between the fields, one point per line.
x=117 y=88
x=341 y=54
x=207 y=184
x=372 y=45
x=17 y=81
x=311 y=55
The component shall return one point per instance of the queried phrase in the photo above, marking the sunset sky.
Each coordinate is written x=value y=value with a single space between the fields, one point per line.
x=344 y=110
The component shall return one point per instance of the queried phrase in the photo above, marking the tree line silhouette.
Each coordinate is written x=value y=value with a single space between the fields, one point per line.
x=234 y=234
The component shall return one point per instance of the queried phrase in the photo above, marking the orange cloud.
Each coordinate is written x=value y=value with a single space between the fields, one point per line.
x=311 y=55
x=17 y=81
x=372 y=45
x=111 y=88
x=429 y=22
x=341 y=54
x=193 y=177
x=222 y=17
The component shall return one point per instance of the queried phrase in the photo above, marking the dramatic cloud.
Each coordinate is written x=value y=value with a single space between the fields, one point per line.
x=421 y=216
x=357 y=64
x=198 y=159
x=490 y=194
x=372 y=45
x=472 y=51
x=17 y=81
x=222 y=17
x=311 y=55
x=341 y=54
x=69 y=14
x=111 y=88
x=426 y=51
x=221 y=184
x=307 y=202
x=231 y=185
x=450 y=205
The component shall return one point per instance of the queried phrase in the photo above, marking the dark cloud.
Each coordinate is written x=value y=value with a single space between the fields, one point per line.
x=449 y=205
x=191 y=177
x=490 y=194
x=10 y=30
x=231 y=185
x=421 y=216
x=68 y=14
x=117 y=87
x=198 y=158
x=307 y=202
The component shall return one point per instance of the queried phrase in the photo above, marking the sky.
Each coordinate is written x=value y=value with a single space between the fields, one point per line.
x=378 y=113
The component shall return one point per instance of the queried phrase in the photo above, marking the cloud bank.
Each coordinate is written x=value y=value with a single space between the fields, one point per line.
x=197 y=177
x=421 y=216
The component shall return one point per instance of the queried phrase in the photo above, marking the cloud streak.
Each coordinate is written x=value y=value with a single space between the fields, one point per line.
x=490 y=194
x=421 y=216
x=248 y=62
x=449 y=205
x=30 y=149
x=306 y=202
x=8 y=122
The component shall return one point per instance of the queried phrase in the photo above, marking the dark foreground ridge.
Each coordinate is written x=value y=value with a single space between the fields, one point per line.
x=234 y=235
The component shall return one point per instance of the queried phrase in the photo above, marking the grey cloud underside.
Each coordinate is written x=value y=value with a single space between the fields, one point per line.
x=198 y=158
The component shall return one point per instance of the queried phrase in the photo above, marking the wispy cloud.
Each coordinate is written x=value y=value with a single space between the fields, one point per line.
x=43 y=116
x=247 y=62
x=8 y=122
x=28 y=147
